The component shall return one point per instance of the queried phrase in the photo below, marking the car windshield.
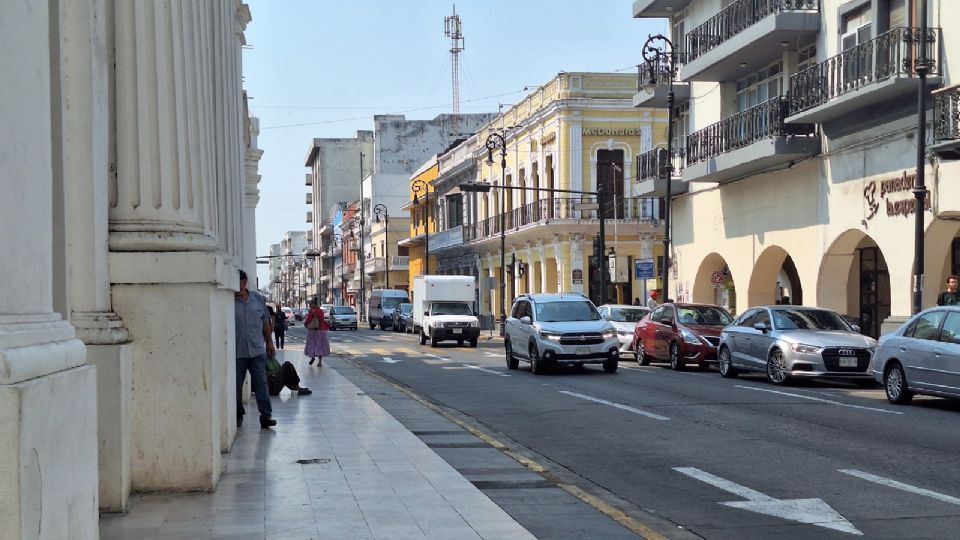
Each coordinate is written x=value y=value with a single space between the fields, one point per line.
x=566 y=311
x=406 y=308
x=808 y=319
x=627 y=314
x=703 y=315
x=451 y=308
x=344 y=310
x=392 y=302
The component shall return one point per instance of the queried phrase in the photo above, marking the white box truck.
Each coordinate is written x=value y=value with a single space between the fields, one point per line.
x=443 y=309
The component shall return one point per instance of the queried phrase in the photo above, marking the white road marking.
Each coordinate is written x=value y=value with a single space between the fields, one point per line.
x=821 y=400
x=437 y=357
x=497 y=355
x=809 y=511
x=900 y=485
x=478 y=368
x=388 y=360
x=615 y=405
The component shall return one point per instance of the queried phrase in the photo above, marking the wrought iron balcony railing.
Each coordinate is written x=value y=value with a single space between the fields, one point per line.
x=536 y=212
x=743 y=129
x=735 y=18
x=891 y=54
x=654 y=163
x=946 y=114
x=661 y=71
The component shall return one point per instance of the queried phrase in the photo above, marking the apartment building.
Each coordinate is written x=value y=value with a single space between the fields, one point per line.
x=796 y=148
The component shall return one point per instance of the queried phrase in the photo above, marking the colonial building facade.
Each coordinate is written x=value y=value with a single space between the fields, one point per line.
x=798 y=147
x=129 y=158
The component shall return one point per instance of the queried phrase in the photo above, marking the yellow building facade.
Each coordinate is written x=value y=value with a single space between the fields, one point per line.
x=576 y=132
x=422 y=218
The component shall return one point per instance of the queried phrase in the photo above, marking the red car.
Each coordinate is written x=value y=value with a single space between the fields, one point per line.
x=680 y=334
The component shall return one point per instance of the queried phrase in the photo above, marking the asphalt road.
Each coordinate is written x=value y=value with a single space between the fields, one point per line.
x=690 y=452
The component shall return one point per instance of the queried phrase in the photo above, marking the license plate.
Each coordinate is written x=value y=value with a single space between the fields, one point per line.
x=583 y=350
x=458 y=330
x=848 y=361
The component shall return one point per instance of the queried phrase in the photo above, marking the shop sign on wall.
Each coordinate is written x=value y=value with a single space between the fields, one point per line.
x=894 y=207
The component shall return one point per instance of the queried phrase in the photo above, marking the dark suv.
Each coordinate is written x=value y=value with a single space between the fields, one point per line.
x=559 y=329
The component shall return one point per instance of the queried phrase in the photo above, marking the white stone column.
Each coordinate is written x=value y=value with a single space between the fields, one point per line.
x=48 y=436
x=577 y=261
x=176 y=225
x=83 y=135
x=542 y=251
x=575 y=146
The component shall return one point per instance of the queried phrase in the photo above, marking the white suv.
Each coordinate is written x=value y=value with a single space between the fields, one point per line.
x=559 y=329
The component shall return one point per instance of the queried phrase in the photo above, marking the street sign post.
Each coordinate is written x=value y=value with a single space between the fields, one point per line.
x=644 y=269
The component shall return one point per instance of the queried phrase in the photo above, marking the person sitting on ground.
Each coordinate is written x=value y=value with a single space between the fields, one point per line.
x=284 y=375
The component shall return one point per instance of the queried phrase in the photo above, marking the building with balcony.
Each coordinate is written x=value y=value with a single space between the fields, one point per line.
x=576 y=132
x=798 y=150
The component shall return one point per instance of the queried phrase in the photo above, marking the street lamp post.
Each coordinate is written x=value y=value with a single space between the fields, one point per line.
x=923 y=67
x=337 y=237
x=378 y=210
x=655 y=55
x=419 y=186
x=496 y=141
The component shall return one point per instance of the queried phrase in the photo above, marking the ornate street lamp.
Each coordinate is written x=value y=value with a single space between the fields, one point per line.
x=496 y=141
x=923 y=68
x=418 y=186
x=655 y=55
x=381 y=210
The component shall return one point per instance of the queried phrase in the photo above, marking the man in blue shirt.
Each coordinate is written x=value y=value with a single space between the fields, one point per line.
x=254 y=343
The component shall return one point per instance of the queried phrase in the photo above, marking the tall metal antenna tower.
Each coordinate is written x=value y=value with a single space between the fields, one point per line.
x=452 y=30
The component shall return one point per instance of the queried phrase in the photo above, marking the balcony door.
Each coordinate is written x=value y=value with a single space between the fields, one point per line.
x=610 y=178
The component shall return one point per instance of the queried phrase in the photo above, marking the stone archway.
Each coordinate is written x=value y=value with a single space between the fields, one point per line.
x=942 y=257
x=706 y=291
x=774 y=279
x=854 y=280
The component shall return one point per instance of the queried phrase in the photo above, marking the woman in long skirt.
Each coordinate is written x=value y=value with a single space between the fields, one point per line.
x=318 y=345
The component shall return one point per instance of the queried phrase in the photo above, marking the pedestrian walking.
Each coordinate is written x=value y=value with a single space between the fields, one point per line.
x=318 y=345
x=279 y=326
x=652 y=301
x=949 y=297
x=254 y=342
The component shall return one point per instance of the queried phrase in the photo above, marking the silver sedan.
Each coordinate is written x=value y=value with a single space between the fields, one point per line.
x=787 y=342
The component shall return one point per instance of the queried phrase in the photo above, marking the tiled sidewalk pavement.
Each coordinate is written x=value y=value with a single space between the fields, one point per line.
x=374 y=480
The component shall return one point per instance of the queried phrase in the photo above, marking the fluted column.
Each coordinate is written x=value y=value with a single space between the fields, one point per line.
x=48 y=435
x=177 y=214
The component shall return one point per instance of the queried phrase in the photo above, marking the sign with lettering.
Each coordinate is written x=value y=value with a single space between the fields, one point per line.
x=898 y=207
x=577 y=276
x=606 y=132
x=644 y=269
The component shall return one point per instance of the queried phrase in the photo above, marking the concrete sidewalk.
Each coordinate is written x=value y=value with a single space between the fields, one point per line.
x=337 y=466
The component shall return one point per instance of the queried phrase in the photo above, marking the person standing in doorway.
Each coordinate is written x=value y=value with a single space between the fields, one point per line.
x=279 y=325
x=318 y=345
x=652 y=301
x=254 y=343
x=949 y=297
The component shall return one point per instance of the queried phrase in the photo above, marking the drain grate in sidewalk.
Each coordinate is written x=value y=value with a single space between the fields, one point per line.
x=512 y=484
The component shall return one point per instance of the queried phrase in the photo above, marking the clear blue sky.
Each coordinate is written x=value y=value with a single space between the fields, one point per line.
x=323 y=68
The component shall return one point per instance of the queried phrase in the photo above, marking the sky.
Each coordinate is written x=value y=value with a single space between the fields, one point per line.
x=324 y=68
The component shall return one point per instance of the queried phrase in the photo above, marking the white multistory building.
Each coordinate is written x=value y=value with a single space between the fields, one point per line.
x=796 y=147
x=128 y=158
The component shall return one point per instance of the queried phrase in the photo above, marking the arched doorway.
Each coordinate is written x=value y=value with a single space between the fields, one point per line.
x=855 y=281
x=714 y=283
x=942 y=257
x=775 y=279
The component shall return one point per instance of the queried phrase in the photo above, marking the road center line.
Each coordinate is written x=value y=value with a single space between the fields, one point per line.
x=901 y=486
x=615 y=405
x=821 y=400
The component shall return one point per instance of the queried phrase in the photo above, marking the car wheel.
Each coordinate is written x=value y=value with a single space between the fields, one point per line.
x=423 y=337
x=434 y=341
x=676 y=363
x=459 y=343
x=641 y=352
x=610 y=366
x=536 y=364
x=777 y=369
x=372 y=326
x=895 y=384
x=512 y=363
x=727 y=371
x=473 y=343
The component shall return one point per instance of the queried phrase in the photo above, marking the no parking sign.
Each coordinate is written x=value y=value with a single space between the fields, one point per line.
x=716 y=278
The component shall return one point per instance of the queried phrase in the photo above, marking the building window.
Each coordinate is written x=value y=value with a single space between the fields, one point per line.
x=855 y=27
x=806 y=58
x=759 y=87
x=454 y=211
x=681 y=124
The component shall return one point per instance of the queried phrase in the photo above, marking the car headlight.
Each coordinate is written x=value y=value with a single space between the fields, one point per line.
x=551 y=336
x=689 y=337
x=805 y=349
x=608 y=334
x=474 y=324
x=436 y=324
